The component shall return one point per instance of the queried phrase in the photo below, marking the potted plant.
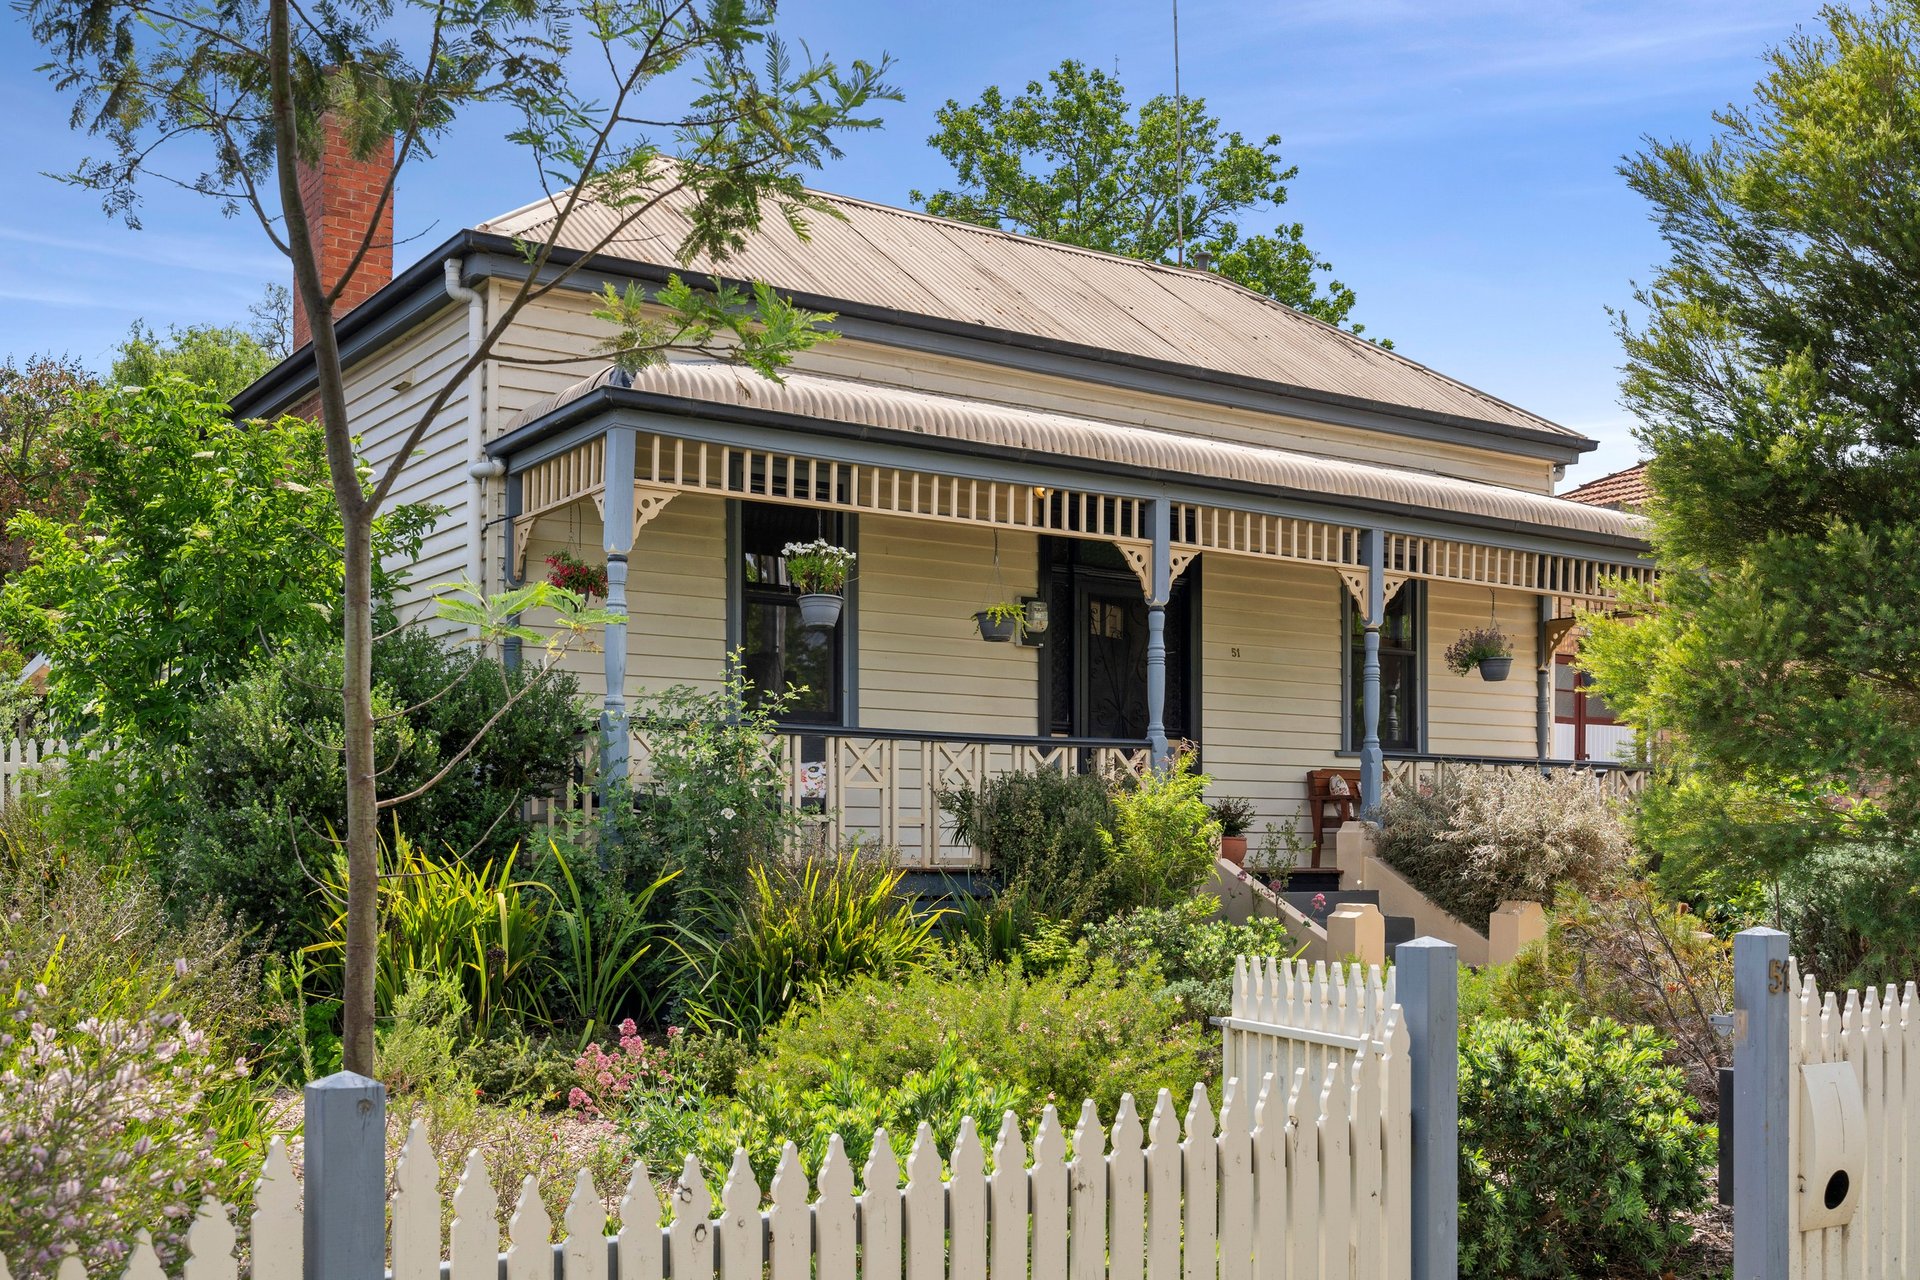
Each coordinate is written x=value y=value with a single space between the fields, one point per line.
x=1487 y=648
x=1235 y=817
x=819 y=569
x=570 y=574
x=1003 y=621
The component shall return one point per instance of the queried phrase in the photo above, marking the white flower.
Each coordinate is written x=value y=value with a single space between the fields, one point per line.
x=728 y=814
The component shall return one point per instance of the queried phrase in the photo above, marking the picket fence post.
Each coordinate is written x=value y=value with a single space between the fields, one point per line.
x=1428 y=975
x=1763 y=993
x=345 y=1229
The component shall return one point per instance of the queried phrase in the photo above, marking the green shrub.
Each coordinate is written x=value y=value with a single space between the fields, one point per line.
x=131 y=1100
x=263 y=779
x=715 y=800
x=1478 y=838
x=1193 y=952
x=1635 y=959
x=1044 y=835
x=801 y=928
x=607 y=956
x=1854 y=914
x=769 y=1113
x=1164 y=838
x=1087 y=1030
x=478 y=927
x=1579 y=1152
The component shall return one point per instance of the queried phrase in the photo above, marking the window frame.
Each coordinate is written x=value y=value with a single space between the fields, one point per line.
x=740 y=594
x=1352 y=660
x=1584 y=717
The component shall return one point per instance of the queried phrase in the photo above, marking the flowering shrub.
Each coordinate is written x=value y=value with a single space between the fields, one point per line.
x=568 y=573
x=817 y=567
x=1474 y=646
x=1481 y=837
x=1164 y=839
x=103 y=1130
x=606 y=1079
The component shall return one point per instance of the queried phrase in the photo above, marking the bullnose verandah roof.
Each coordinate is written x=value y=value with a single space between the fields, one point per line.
x=1042 y=435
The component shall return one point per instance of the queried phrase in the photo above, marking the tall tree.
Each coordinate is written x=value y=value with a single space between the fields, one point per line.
x=1071 y=160
x=36 y=475
x=251 y=81
x=1776 y=376
x=221 y=358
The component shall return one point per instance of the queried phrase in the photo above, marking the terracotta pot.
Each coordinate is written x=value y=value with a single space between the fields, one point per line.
x=1234 y=849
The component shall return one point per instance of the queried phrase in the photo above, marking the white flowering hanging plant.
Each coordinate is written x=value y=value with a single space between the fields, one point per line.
x=818 y=567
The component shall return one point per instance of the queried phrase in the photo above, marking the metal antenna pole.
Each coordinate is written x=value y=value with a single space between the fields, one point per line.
x=1179 y=148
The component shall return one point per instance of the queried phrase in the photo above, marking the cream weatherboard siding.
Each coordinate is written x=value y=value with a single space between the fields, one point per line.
x=1467 y=715
x=386 y=395
x=922 y=662
x=1269 y=682
x=676 y=593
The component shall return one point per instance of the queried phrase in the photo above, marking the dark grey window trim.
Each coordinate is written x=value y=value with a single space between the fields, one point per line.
x=849 y=614
x=1422 y=674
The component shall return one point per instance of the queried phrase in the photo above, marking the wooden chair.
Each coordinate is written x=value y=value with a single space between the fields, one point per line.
x=1327 y=809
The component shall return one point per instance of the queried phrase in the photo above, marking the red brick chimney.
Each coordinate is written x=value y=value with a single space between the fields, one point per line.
x=339 y=194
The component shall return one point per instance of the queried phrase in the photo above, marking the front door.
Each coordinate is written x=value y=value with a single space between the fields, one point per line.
x=1113 y=637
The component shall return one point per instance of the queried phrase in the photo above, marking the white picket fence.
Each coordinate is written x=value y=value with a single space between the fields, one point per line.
x=1879 y=1033
x=21 y=756
x=1290 y=1187
x=1292 y=1015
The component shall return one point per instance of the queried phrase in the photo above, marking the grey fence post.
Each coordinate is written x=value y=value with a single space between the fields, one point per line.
x=345 y=1227
x=1427 y=978
x=1762 y=1174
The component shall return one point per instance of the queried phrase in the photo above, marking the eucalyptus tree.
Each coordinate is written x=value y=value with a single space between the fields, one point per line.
x=619 y=104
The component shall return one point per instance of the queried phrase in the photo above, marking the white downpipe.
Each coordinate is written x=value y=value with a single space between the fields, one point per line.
x=479 y=466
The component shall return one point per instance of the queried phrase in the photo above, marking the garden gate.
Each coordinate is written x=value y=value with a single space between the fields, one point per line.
x=1826 y=1123
x=1298 y=1179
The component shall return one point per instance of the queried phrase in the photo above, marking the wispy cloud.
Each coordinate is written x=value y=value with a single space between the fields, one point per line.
x=234 y=255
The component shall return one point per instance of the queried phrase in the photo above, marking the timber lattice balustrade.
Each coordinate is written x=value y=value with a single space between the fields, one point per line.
x=1286 y=1187
x=1616 y=781
x=886 y=787
x=1878 y=1032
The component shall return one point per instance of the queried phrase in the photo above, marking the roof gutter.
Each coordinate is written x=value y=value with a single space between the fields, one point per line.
x=414 y=294
x=608 y=400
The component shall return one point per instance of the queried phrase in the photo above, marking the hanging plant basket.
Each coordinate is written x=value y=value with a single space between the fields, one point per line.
x=1000 y=623
x=1486 y=648
x=1493 y=670
x=820 y=611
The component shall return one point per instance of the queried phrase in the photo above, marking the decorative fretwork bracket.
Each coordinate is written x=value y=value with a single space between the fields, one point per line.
x=648 y=501
x=1557 y=630
x=1139 y=558
x=1356 y=580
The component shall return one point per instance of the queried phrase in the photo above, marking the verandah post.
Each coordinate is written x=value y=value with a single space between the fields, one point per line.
x=1762 y=1172
x=344 y=1227
x=1543 y=684
x=1160 y=573
x=616 y=745
x=1427 y=977
x=1372 y=761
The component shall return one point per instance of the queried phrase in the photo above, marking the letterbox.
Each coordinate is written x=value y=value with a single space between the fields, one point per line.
x=1833 y=1144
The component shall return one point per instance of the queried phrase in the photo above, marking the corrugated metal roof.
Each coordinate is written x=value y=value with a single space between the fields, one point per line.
x=1057 y=435
x=912 y=262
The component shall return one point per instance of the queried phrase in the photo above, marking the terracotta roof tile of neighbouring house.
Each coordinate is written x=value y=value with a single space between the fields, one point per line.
x=1054 y=436
x=910 y=262
x=1623 y=490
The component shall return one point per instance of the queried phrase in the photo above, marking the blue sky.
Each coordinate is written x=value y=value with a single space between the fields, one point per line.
x=1456 y=164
